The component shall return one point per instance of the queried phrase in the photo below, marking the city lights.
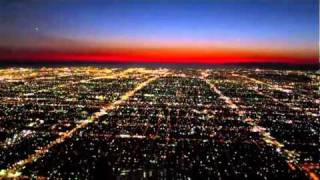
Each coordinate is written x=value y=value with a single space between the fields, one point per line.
x=87 y=122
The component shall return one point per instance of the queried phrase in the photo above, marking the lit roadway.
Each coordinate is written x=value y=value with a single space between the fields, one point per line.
x=266 y=137
x=271 y=87
x=13 y=170
x=275 y=87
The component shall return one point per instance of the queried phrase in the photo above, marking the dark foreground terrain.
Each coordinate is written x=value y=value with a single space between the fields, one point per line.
x=135 y=123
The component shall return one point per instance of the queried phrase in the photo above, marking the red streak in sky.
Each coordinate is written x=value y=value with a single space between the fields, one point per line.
x=166 y=56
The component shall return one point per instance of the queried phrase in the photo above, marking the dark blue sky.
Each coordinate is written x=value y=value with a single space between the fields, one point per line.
x=272 y=25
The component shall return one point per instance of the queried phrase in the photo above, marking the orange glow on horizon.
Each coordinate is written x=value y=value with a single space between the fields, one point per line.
x=172 y=55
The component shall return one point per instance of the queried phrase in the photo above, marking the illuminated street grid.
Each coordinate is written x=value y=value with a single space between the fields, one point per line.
x=87 y=123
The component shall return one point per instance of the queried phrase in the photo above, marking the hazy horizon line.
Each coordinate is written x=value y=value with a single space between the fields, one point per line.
x=267 y=65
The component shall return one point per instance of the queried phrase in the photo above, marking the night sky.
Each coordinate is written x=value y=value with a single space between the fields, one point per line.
x=197 y=31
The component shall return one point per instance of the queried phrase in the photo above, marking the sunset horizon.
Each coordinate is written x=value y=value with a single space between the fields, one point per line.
x=208 y=32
